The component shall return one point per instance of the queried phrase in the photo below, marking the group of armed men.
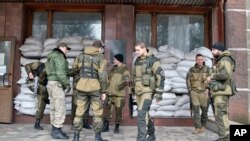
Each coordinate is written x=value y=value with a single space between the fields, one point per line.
x=93 y=84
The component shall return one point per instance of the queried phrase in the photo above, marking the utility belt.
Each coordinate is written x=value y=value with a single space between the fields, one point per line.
x=89 y=72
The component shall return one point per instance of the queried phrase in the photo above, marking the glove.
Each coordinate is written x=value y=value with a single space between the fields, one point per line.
x=158 y=96
x=122 y=86
x=67 y=88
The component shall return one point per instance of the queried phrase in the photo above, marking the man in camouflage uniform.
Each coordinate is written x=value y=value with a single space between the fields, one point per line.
x=58 y=84
x=38 y=69
x=148 y=81
x=196 y=77
x=220 y=87
x=91 y=87
x=118 y=79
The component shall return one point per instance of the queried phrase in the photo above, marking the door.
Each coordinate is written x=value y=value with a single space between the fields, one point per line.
x=7 y=48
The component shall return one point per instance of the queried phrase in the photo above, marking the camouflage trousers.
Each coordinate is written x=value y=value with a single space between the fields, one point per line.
x=42 y=97
x=83 y=99
x=200 y=101
x=57 y=103
x=221 y=104
x=145 y=123
x=118 y=102
x=73 y=110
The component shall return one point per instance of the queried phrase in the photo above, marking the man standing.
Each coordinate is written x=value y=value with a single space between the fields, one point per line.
x=148 y=81
x=197 y=87
x=38 y=69
x=91 y=87
x=220 y=87
x=118 y=79
x=58 y=85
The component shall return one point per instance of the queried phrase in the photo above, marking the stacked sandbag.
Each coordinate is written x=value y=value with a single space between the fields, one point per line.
x=25 y=103
x=183 y=101
x=76 y=45
x=49 y=44
x=32 y=48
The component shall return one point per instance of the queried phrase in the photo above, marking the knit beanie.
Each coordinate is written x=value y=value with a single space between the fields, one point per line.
x=219 y=46
x=119 y=57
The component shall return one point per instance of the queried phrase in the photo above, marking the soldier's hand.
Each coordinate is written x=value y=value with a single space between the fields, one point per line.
x=31 y=76
x=158 y=96
x=67 y=88
x=103 y=96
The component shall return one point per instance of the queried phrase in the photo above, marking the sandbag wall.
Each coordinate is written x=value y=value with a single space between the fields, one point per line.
x=175 y=63
x=35 y=50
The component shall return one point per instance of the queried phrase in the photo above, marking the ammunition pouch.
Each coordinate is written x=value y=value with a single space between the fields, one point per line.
x=149 y=80
x=89 y=72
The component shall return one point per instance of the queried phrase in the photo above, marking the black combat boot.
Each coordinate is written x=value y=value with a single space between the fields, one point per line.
x=98 y=137
x=105 y=126
x=76 y=136
x=116 y=128
x=37 y=125
x=86 y=124
x=58 y=134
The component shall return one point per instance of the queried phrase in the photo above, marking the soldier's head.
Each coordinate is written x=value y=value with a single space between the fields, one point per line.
x=217 y=49
x=99 y=45
x=199 y=59
x=63 y=47
x=140 y=49
x=118 y=59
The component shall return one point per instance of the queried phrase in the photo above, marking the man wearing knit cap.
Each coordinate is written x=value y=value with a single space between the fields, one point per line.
x=221 y=87
x=118 y=80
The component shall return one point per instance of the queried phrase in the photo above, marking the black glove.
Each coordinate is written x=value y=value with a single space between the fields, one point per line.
x=67 y=88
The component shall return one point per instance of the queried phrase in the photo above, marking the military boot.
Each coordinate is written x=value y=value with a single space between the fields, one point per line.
x=86 y=124
x=105 y=126
x=76 y=136
x=116 y=130
x=58 y=134
x=37 y=125
x=98 y=137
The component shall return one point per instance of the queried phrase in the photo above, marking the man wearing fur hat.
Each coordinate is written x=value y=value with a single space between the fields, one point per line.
x=221 y=88
x=118 y=79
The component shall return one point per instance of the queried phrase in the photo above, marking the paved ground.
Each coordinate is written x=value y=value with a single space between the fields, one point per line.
x=26 y=132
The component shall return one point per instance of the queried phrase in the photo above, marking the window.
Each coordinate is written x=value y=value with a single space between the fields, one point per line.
x=64 y=24
x=184 y=32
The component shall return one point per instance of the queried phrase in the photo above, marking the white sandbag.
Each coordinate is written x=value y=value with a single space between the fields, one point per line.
x=166 y=96
x=26 y=90
x=169 y=60
x=71 y=40
x=23 y=72
x=190 y=56
x=182 y=113
x=161 y=55
x=167 y=87
x=46 y=111
x=68 y=106
x=76 y=47
x=28 y=104
x=25 y=97
x=73 y=54
x=164 y=114
x=208 y=62
x=68 y=99
x=170 y=66
x=34 y=41
x=25 y=61
x=152 y=50
x=71 y=61
x=170 y=73
x=134 y=107
x=30 y=47
x=154 y=107
x=183 y=100
x=210 y=111
x=182 y=74
x=177 y=85
x=168 y=108
x=176 y=52
x=180 y=90
x=88 y=42
x=163 y=48
x=49 y=47
x=22 y=80
x=32 y=54
x=27 y=111
x=185 y=106
x=50 y=41
x=45 y=53
x=205 y=52
x=43 y=60
x=186 y=63
x=152 y=113
x=178 y=79
x=182 y=68
x=166 y=102
x=135 y=113
x=168 y=81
